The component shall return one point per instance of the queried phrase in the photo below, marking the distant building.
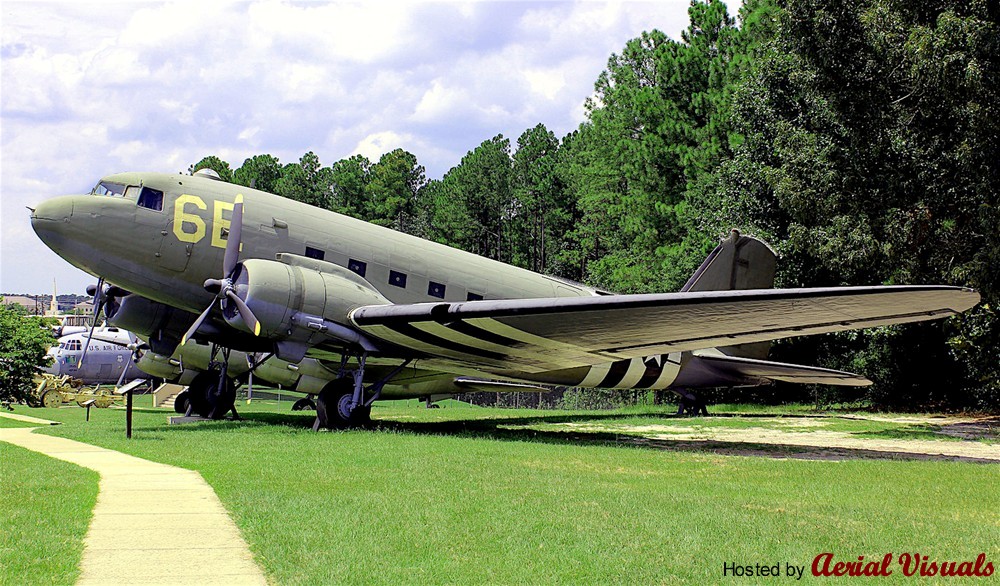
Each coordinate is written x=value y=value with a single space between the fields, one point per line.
x=33 y=305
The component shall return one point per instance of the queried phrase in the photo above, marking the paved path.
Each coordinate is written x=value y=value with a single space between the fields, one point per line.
x=153 y=523
x=27 y=418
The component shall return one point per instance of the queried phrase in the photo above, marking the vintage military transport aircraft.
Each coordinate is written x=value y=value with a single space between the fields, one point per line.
x=350 y=312
x=109 y=352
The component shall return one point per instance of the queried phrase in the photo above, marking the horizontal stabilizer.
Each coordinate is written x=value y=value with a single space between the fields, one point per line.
x=735 y=366
x=479 y=385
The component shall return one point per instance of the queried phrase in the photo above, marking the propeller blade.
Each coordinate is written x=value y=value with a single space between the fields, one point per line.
x=248 y=317
x=121 y=378
x=234 y=239
x=197 y=324
x=98 y=294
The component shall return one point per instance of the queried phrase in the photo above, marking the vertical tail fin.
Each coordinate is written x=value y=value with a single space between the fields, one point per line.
x=738 y=262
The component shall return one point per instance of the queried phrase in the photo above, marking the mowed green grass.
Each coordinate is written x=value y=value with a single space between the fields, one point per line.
x=45 y=507
x=489 y=496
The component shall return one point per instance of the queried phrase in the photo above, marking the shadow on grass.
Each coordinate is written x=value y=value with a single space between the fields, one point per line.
x=505 y=429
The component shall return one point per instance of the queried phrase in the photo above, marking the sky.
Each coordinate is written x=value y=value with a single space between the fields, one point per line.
x=94 y=88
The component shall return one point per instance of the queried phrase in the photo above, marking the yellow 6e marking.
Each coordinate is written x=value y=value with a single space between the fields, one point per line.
x=219 y=224
x=183 y=217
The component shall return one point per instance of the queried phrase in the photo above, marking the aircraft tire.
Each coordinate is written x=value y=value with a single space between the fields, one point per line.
x=198 y=393
x=304 y=404
x=362 y=416
x=223 y=400
x=331 y=406
x=181 y=402
x=208 y=399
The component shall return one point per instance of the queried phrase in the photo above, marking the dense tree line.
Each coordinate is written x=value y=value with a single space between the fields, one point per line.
x=860 y=139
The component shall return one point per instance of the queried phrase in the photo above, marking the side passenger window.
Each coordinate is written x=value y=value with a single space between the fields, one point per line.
x=151 y=198
x=398 y=279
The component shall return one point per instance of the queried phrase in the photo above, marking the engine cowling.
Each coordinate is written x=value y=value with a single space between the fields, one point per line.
x=296 y=300
x=161 y=324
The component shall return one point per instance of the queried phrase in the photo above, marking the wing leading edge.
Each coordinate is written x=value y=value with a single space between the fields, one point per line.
x=536 y=335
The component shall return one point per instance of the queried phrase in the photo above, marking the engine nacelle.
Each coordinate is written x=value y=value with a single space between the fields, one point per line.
x=161 y=324
x=300 y=300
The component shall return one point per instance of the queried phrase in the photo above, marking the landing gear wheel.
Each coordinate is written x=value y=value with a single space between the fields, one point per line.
x=181 y=402
x=51 y=399
x=305 y=404
x=333 y=407
x=209 y=398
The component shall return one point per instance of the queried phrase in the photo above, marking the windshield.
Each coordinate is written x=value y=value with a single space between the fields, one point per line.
x=108 y=188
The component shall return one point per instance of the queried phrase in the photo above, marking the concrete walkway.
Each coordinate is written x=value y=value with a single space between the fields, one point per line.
x=153 y=523
x=27 y=418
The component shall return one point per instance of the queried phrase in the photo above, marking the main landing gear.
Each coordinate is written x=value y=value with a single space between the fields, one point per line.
x=345 y=402
x=212 y=394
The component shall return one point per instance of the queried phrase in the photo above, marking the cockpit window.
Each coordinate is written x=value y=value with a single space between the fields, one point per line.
x=151 y=198
x=108 y=188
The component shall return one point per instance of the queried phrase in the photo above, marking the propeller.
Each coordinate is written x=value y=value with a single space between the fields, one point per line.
x=137 y=347
x=134 y=344
x=106 y=298
x=98 y=293
x=225 y=288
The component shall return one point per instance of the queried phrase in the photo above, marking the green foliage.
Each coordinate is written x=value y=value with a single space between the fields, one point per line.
x=869 y=157
x=216 y=164
x=350 y=186
x=644 y=162
x=539 y=208
x=472 y=206
x=24 y=342
x=392 y=187
x=306 y=181
x=260 y=172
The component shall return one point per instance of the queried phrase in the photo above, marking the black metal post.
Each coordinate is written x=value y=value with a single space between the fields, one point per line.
x=128 y=415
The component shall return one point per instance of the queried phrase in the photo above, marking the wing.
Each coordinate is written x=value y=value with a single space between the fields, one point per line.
x=535 y=335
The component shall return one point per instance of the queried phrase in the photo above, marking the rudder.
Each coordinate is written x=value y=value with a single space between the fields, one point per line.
x=738 y=262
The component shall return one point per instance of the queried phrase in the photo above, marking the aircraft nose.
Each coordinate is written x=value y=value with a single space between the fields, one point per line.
x=51 y=222
x=57 y=209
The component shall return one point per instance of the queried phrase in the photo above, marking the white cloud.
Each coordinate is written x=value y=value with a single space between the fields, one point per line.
x=375 y=145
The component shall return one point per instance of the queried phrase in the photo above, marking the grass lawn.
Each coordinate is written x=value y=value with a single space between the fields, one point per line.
x=460 y=495
x=45 y=507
